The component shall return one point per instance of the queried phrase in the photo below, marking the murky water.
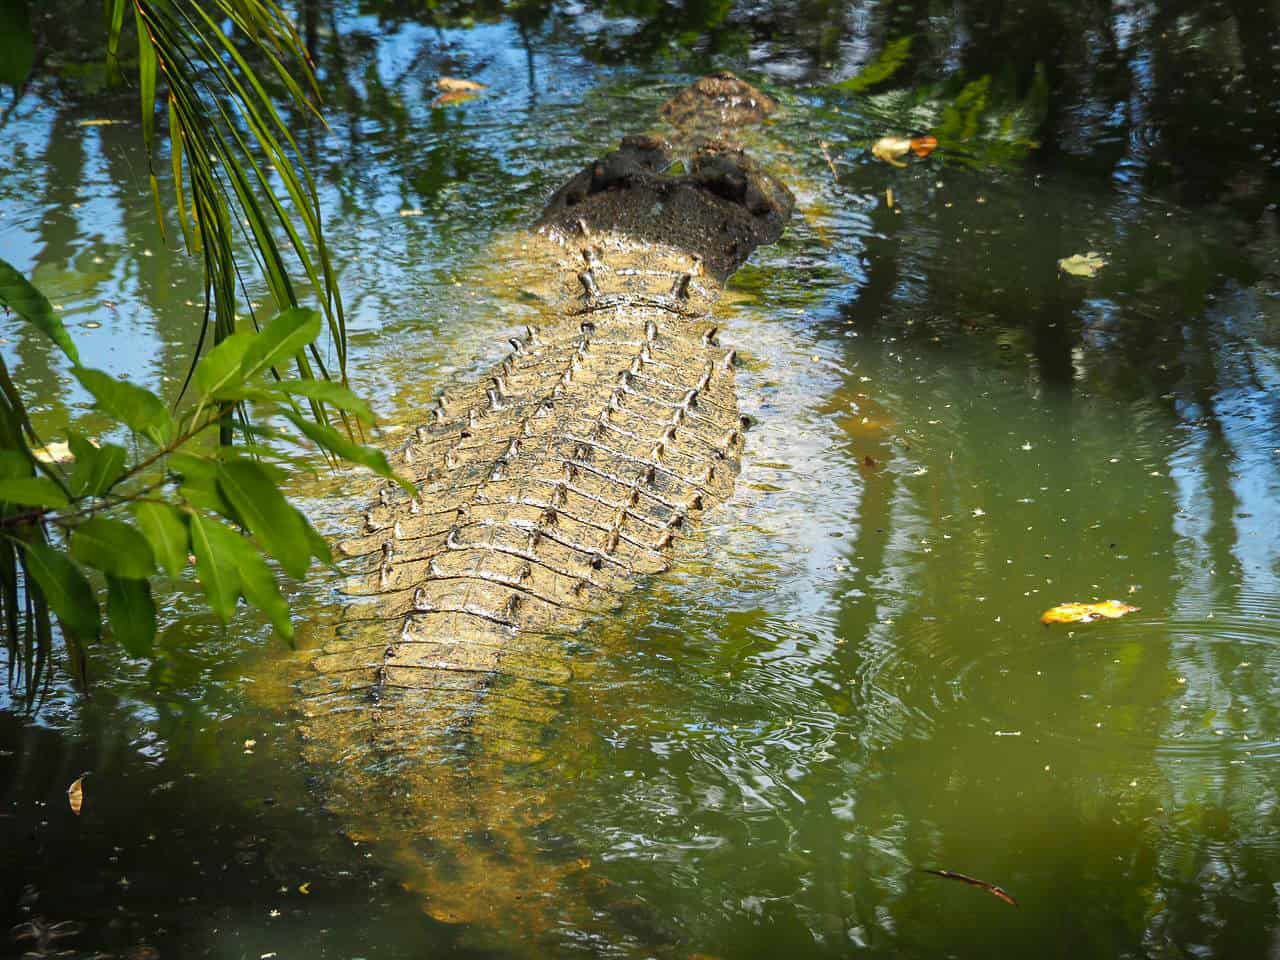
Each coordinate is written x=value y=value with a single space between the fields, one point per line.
x=844 y=681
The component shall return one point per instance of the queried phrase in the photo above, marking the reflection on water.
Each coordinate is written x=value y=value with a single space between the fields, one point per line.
x=844 y=680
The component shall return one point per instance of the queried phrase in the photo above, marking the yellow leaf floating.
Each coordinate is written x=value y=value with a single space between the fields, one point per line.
x=1087 y=612
x=456 y=85
x=889 y=149
x=1083 y=265
x=75 y=794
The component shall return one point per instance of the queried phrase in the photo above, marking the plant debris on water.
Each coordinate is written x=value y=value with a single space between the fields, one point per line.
x=991 y=888
x=1087 y=612
x=890 y=148
x=1083 y=264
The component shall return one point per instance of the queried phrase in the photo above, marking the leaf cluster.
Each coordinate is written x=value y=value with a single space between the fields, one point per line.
x=120 y=516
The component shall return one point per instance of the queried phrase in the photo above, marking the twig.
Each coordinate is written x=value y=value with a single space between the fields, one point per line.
x=826 y=155
x=991 y=888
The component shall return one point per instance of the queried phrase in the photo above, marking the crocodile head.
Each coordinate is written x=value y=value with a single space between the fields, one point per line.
x=718 y=212
x=717 y=102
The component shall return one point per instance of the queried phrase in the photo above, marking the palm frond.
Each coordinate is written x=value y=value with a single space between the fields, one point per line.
x=236 y=163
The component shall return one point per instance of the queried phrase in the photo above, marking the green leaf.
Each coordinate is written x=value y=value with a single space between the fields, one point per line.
x=249 y=488
x=33 y=492
x=113 y=547
x=14 y=464
x=97 y=468
x=260 y=589
x=326 y=391
x=200 y=484
x=283 y=337
x=115 y=20
x=339 y=445
x=147 y=84
x=17 y=43
x=138 y=409
x=218 y=375
x=65 y=589
x=132 y=614
x=191 y=467
x=216 y=550
x=30 y=304
x=162 y=525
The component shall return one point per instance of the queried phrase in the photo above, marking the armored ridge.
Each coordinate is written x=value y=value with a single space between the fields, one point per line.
x=545 y=492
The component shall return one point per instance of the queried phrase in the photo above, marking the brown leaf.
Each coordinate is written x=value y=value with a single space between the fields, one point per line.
x=923 y=146
x=991 y=888
x=1087 y=612
x=75 y=794
x=454 y=85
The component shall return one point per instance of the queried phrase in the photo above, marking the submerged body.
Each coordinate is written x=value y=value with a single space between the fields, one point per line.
x=546 y=491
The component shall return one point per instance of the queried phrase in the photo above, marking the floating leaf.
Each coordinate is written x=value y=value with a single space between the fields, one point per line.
x=991 y=888
x=889 y=149
x=455 y=85
x=1083 y=264
x=56 y=451
x=1087 y=612
x=75 y=794
x=923 y=146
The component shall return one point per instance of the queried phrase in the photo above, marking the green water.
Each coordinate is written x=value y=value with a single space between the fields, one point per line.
x=844 y=680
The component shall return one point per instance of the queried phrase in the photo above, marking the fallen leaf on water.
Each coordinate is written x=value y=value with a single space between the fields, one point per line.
x=1087 y=612
x=991 y=888
x=304 y=888
x=923 y=146
x=454 y=85
x=56 y=452
x=889 y=149
x=100 y=123
x=75 y=794
x=1083 y=264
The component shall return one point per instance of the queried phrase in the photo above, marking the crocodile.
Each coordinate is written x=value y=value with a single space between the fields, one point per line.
x=546 y=490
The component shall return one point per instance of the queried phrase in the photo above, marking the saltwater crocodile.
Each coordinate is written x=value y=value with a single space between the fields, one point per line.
x=546 y=490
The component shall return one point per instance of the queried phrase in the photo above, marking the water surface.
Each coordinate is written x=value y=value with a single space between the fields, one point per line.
x=844 y=680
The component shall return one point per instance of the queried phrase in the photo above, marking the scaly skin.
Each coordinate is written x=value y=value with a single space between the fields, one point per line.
x=546 y=491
